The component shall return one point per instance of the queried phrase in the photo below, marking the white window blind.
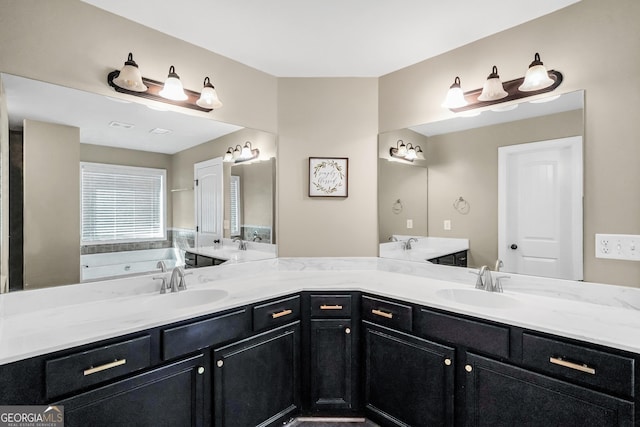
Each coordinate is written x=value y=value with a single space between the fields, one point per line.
x=234 y=191
x=121 y=203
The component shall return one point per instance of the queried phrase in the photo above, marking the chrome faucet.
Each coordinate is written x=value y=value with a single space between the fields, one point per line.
x=393 y=239
x=408 y=245
x=485 y=280
x=242 y=245
x=177 y=281
x=162 y=266
x=256 y=237
x=499 y=264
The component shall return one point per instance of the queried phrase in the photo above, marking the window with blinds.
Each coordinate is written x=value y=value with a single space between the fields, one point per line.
x=234 y=192
x=121 y=203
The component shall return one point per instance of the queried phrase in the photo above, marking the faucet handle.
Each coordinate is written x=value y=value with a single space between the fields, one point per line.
x=183 y=281
x=498 y=283
x=163 y=287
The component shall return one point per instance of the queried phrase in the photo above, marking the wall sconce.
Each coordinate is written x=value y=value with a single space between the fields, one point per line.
x=129 y=80
x=536 y=81
x=241 y=154
x=406 y=152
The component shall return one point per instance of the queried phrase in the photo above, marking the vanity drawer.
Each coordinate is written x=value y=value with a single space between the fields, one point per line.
x=331 y=306
x=582 y=364
x=485 y=337
x=387 y=313
x=194 y=336
x=276 y=313
x=83 y=369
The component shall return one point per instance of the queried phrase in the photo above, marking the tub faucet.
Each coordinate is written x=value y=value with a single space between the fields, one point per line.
x=408 y=245
x=242 y=245
x=177 y=281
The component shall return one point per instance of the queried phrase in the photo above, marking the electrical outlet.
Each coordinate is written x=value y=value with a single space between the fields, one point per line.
x=447 y=224
x=409 y=223
x=618 y=246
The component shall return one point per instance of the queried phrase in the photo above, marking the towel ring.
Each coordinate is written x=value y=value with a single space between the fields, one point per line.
x=397 y=207
x=461 y=205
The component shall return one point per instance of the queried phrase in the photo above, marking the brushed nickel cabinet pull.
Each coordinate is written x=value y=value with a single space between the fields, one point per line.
x=330 y=307
x=382 y=313
x=219 y=363
x=282 y=313
x=347 y=331
x=201 y=370
x=93 y=370
x=468 y=368
x=582 y=368
x=447 y=361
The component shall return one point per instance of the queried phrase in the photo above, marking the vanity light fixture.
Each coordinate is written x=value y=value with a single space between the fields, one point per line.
x=241 y=154
x=173 y=88
x=209 y=96
x=130 y=77
x=493 y=89
x=455 y=96
x=536 y=77
x=130 y=81
x=536 y=81
x=406 y=152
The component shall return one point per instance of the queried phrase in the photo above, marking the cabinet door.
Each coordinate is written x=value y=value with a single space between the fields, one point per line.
x=257 y=380
x=409 y=381
x=503 y=395
x=172 y=395
x=332 y=364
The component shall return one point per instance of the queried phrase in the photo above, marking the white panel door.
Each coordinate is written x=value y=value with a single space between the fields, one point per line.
x=209 y=201
x=540 y=208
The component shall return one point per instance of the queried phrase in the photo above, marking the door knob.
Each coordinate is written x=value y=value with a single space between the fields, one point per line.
x=514 y=246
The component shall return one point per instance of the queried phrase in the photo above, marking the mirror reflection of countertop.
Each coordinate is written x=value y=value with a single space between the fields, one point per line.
x=42 y=321
x=229 y=251
x=424 y=249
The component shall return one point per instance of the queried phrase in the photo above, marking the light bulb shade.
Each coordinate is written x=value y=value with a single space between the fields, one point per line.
x=208 y=96
x=237 y=153
x=419 y=153
x=246 y=151
x=537 y=77
x=173 y=89
x=402 y=149
x=130 y=77
x=492 y=89
x=228 y=156
x=411 y=153
x=455 y=96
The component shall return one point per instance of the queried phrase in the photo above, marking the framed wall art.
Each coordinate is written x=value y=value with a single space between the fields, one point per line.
x=328 y=176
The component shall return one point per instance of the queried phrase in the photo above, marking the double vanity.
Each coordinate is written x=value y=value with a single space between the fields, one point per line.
x=401 y=343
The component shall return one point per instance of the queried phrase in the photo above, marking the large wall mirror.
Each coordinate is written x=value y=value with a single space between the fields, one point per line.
x=454 y=192
x=53 y=130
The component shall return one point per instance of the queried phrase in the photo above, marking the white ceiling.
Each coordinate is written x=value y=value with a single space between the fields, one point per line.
x=330 y=38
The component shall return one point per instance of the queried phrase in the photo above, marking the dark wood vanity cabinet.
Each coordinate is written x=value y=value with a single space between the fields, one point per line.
x=333 y=354
x=332 y=360
x=192 y=260
x=458 y=259
x=499 y=394
x=171 y=395
x=257 y=380
x=408 y=381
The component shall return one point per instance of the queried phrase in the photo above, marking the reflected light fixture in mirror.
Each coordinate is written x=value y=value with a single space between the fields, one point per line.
x=536 y=81
x=169 y=92
x=173 y=88
x=406 y=152
x=241 y=154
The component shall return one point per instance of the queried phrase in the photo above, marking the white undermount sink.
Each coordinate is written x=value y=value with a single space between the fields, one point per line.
x=478 y=298
x=185 y=298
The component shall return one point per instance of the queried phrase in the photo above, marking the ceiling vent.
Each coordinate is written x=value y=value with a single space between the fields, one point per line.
x=121 y=125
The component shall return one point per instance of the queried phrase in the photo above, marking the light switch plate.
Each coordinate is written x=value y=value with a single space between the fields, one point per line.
x=618 y=246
